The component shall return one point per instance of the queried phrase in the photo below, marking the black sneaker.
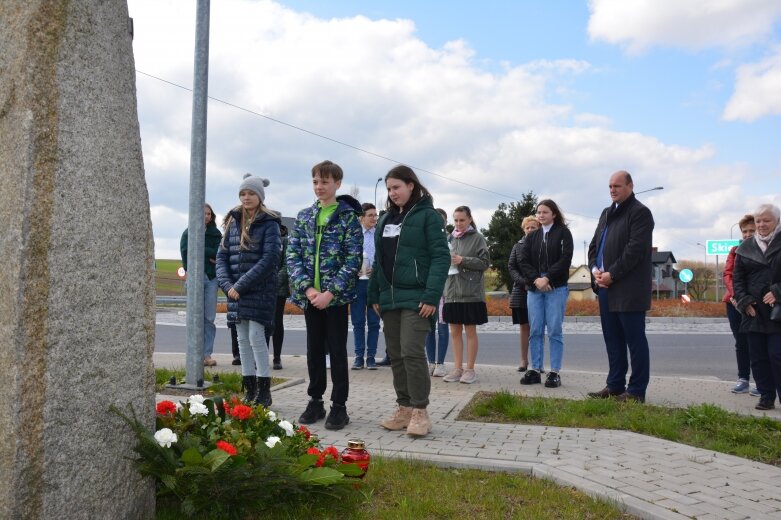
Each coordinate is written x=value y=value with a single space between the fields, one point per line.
x=766 y=404
x=553 y=380
x=385 y=362
x=236 y=361
x=338 y=417
x=277 y=364
x=313 y=413
x=531 y=377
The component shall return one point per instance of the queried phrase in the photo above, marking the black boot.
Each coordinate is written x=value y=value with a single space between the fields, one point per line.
x=264 y=392
x=250 y=384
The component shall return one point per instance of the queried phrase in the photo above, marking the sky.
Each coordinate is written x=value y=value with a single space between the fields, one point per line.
x=485 y=100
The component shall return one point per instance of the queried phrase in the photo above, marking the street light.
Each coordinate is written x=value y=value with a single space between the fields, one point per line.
x=704 y=253
x=650 y=189
x=732 y=228
x=375 y=190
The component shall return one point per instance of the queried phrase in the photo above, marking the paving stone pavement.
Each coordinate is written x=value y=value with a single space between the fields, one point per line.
x=648 y=477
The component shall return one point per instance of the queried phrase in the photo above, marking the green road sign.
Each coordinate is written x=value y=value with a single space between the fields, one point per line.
x=720 y=247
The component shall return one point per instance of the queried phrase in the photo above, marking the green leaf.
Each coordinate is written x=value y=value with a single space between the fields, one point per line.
x=350 y=469
x=321 y=476
x=307 y=460
x=192 y=457
x=168 y=481
x=216 y=458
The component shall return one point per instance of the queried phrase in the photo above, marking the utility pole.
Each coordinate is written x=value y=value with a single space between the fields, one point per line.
x=196 y=228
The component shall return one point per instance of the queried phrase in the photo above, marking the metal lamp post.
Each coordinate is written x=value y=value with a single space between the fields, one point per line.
x=375 y=190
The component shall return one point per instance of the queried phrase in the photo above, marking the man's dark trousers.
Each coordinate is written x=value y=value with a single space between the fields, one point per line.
x=622 y=330
x=326 y=332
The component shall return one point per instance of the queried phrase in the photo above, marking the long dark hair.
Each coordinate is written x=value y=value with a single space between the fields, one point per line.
x=559 y=216
x=212 y=220
x=468 y=212
x=406 y=175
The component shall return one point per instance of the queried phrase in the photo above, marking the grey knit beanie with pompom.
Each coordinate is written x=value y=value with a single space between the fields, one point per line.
x=255 y=184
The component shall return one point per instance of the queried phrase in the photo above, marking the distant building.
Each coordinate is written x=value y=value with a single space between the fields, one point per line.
x=579 y=284
x=664 y=277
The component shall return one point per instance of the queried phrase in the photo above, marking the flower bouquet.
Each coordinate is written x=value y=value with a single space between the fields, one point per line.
x=223 y=459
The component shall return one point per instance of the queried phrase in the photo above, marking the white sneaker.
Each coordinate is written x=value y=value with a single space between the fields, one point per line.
x=453 y=376
x=431 y=367
x=468 y=377
x=439 y=370
x=327 y=361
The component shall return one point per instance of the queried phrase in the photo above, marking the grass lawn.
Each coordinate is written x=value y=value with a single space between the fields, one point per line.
x=230 y=382
x=397 y=488
x=704 y=426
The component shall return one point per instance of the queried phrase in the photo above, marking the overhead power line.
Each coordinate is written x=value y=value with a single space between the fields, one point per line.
x=337 y=141
x=348 y=145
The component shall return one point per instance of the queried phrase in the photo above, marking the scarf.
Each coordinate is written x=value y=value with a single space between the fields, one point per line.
x=763 y=242
x=459 y=234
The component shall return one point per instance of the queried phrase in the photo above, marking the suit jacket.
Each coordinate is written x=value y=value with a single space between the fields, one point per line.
x=626 y=254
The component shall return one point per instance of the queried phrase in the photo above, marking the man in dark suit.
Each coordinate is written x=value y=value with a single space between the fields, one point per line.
x=620 y=261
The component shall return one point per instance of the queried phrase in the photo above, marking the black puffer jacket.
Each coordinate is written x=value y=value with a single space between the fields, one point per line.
x=518 y=293
x=252 y=272
x=553 y=257
x=754 y=275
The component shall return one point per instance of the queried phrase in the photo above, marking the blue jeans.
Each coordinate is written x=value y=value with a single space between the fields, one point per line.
x=209 y=313
x=360 y=313
x=546 y=310
x=253 y=348
x=625 y=331
x=433 y=354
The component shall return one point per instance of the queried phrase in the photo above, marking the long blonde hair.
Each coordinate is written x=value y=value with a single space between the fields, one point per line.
x=246 y=222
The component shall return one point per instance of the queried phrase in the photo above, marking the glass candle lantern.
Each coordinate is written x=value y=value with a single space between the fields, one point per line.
x=356 y=453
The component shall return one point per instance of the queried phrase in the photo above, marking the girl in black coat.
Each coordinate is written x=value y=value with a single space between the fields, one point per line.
x=247 y=265
x=545 y=261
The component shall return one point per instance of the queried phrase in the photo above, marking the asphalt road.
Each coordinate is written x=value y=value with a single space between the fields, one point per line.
x=698 y=355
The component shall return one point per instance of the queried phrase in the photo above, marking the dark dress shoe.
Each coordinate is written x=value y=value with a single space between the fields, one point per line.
x=236 y=361
x=604 y=393
x=277 y=364
x=385 y=362
x=626 y=396
x=765 y=404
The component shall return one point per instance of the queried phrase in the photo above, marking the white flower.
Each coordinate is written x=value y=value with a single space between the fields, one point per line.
x=198 y=409
x=165 y=437
x=195 y=398
x=272 y=441
x=272 y=415
x=285 y=425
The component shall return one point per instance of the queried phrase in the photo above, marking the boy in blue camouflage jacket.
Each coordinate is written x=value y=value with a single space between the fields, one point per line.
x=323 y=257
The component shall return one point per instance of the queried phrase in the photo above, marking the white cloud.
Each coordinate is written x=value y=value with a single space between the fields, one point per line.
x=376 y=85
x=757 y=90
x=691 y=24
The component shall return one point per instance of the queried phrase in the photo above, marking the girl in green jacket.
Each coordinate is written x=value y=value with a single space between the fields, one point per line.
x=410 y=267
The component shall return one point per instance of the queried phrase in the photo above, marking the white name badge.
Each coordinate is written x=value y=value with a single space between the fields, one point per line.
x=391 y=230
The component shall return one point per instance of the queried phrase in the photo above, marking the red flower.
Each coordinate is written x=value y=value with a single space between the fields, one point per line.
x=227 y=447
x=332 y=452
x=303 y=430
x=241 y=412
x=166 y=408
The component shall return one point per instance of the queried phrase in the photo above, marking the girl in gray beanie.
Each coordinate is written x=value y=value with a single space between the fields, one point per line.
x=247 y=266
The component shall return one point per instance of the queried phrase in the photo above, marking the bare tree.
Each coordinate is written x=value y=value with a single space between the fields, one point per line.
x=355 y=192
x=704 y=278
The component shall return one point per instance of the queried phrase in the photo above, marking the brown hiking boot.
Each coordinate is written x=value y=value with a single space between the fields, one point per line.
x=399 y=420
x=419 y=424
